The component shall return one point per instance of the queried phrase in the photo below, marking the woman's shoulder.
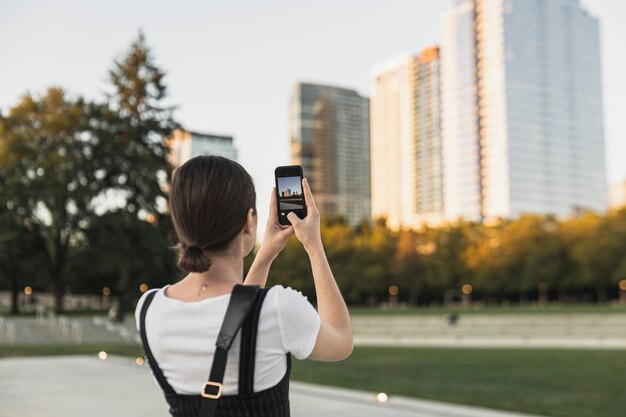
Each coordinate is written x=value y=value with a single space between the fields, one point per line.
x=286 y=296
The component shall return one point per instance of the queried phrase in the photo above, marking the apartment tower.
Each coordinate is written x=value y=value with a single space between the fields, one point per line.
x=330 y=138
x=522 y=124
x=406 y=141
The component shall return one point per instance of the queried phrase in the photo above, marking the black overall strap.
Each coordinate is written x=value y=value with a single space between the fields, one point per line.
x=241 y=300
x=248 y=346
x=156 y=371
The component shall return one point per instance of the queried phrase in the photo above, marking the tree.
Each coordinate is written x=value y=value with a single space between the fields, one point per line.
x=408 y=265
x=68 y=160
x=21 y=255
x=139 y=124
x=448 y=268
x=123 y=252
x=599 y=250
x=139 y=127
x=46 y=156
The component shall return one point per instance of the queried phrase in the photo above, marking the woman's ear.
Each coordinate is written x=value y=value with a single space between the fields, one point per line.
x=251 y=222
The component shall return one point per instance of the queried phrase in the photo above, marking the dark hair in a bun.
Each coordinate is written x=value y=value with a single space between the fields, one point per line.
x=209 y=200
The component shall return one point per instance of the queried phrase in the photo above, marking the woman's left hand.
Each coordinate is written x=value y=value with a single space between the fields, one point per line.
x=276 y=234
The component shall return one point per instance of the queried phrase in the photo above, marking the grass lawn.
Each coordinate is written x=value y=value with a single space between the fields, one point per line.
x=568 y=383
x=551 y=382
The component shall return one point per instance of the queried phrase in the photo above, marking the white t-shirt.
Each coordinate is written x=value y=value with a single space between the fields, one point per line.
x=182 y=338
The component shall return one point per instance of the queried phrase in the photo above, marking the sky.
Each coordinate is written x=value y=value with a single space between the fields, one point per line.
x=230 y=64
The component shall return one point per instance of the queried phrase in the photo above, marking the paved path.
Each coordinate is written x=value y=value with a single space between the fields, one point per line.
x=80 y=386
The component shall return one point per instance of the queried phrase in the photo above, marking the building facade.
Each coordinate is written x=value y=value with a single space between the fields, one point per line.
x=185 y=145
x=329 y=134
x=406 y=141
x=522 y=116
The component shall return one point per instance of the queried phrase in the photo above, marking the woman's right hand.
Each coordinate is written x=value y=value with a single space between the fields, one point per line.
x=334 y=340
x=307 y=230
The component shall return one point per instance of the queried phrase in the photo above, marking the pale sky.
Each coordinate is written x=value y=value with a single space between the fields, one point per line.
x=230 y=64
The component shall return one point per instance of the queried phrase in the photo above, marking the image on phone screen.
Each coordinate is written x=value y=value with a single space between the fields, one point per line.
x=290 y=193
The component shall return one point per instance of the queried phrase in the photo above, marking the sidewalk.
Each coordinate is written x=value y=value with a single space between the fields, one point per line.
x=79 y=386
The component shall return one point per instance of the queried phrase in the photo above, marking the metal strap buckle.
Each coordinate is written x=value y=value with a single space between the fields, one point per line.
x=212 y=384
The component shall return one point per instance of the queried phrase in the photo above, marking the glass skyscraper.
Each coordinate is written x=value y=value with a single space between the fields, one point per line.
x=406 y=140
x=522 y=120
x=330 y=138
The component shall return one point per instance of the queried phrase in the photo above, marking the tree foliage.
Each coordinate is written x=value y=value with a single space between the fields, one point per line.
x=511 y=260
x=67 y=161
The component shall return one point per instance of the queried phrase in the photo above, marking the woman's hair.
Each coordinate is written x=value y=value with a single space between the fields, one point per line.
x=209 y=200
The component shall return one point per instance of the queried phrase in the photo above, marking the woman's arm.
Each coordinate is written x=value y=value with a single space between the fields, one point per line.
x=334 y=341
x=274 y=239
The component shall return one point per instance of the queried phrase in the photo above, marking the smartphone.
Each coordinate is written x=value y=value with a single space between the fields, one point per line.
x=289 y=193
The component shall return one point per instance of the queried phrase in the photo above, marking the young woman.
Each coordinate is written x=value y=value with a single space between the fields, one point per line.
x=212 y=203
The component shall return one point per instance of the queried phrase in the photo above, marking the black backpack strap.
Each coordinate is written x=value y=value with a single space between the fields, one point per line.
x=158 y=374
x=241 y=301
x=248 y=346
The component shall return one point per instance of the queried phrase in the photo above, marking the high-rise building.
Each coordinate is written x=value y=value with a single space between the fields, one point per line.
x=617 y=194
x=406 y=140
x=185 y=145
x=521 y=97
x=329 y=129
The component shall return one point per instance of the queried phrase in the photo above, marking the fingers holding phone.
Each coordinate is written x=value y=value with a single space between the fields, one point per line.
x=276 y=235
x=307 y=230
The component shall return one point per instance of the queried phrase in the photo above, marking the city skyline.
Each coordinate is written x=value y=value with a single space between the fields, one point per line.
x=290 y=184
x=209 y=80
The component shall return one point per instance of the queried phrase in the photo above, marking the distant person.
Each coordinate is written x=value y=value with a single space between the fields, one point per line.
x=212 y=203
x=453 y=318
x=114 y=313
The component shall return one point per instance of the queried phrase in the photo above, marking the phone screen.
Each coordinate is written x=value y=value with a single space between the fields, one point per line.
x=289 y=193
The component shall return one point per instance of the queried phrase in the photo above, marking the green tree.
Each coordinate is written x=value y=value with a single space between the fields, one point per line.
x=21 y=257
x=598 y=250
x=408 y=265
x=447 y=267
x=134 y=131
x=376 y=245
x=67 y=161
x=122 y=252
x=46 y=153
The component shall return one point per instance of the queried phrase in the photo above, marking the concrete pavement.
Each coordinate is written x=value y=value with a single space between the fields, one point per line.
x=79 y=386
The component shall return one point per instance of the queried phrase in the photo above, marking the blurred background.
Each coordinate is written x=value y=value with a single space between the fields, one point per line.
x=468 y=158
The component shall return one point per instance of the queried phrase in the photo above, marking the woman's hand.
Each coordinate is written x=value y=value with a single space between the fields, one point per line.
x=276 y=235
x=274 y=239
x=308 y=229
x=334 y=340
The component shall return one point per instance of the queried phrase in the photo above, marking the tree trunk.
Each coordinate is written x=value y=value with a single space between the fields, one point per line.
x=59 y=295
x=14 y=294
x=58 y=280
x=123 y=287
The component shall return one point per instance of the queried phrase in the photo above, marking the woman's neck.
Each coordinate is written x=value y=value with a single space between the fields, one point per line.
x=225 y=272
